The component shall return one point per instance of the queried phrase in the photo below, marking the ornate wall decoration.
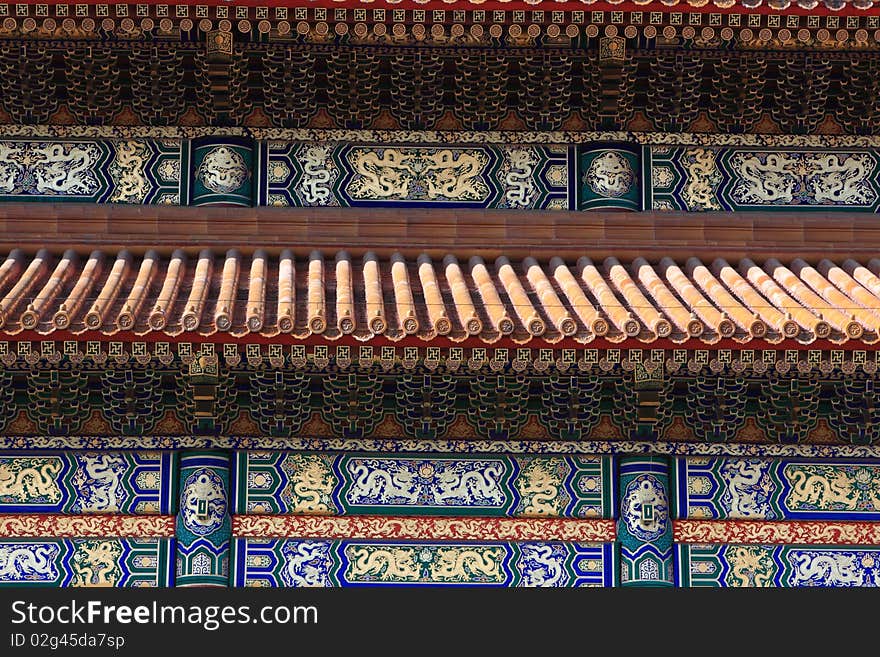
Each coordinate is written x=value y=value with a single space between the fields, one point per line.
x=290 y=482
x=540 y=484
x=414 y=174
x=319 y=173
x=310 y=483
x=32 y=563
x=87 y=482
x=56 y=170
x=576 y=530
x=610 y=174
x=405 y=483
x=645 y=509
x=609 y=177
x=758 y=178
x=769 y=489
x=282 y=137
x=703 y=179
x=685 y=173
x=127 y=172
x=294 y=562
x=776 y=566
x=833 y=487
x=333 y=173
x=517 y=174
x=96 y=563
x=30 y=481
x=802 y=178
x=443 y=446
x=222 y=171
x=203 y=502
x=644 y=528
x=146 y=171
x=140 y=171
x=841 y=568
x=88 y=562
x=203 y=522
x=791 y=532
x=425 y=563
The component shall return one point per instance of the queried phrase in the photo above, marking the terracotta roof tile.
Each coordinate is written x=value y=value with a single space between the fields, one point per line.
x=403 y=296
x=317 y=306
x=286 y=292
x=461 y=297
x=569 y=288
x=841 y=277
x=526 y=301
x=728 y=306
x=652 y=318
x=439 y=322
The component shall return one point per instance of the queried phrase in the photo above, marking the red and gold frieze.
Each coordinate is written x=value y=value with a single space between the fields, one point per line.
x=776 y=532
x=83 y=526
x=424 y=528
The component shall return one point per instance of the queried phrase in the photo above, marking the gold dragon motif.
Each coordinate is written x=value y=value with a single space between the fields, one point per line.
x=311 y=484
x=832 y=488
x=28 y=479
x=95 y=563
x=750 y=566
x=458 y=564
x=441 y=174
x=389 y=564
x=539 y=485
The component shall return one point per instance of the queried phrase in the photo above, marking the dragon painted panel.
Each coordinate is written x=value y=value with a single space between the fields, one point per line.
x=333 y=484
x=776 y=566
x=333 y=174
x=776 y=489
x=325 y=563
x=81 y=562
x=699 y=178
x=138 y=171
x=87 y=482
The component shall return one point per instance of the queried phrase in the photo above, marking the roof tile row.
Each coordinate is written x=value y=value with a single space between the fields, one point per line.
x=306 y=294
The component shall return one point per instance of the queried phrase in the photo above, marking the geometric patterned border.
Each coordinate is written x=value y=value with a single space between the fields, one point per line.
x=103 y=526
x=745 y=532
x=422 y=528
x=442 y=136
x=442 y=446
